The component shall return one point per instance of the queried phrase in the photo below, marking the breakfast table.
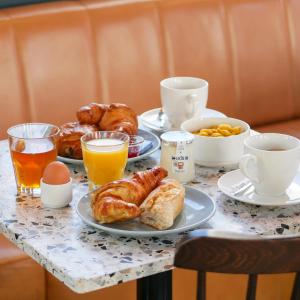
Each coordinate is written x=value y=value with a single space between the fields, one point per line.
x=86 y=259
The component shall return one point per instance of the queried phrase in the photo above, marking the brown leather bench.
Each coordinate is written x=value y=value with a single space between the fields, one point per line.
x=57 y=56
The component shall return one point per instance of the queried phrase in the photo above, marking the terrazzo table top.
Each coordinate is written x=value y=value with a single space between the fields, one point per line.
x=86 y=259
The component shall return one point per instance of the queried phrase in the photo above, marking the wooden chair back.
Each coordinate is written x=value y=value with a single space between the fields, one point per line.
x=226 y=252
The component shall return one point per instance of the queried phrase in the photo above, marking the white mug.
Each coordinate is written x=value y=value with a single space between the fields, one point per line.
x=183 y=98
x=271 y=162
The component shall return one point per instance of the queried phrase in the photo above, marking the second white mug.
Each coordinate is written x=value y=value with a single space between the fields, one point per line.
x=271 y=162
x=183 y=98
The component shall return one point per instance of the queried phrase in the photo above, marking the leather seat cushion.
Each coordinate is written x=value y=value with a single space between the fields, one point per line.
x=291 y=127
x=9 y=252
x=20 y=276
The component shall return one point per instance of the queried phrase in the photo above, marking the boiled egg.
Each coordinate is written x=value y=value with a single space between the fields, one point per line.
x=56 y=173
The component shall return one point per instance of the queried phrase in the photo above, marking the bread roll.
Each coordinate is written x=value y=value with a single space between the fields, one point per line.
x=163 y=205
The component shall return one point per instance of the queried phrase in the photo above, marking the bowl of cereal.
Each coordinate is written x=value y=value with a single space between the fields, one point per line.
x=219 y=142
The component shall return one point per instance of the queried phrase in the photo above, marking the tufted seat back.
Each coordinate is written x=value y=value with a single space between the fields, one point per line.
x=57 y=56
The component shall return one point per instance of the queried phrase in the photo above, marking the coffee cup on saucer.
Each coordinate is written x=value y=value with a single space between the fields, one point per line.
x=183 y=98
x=270 y=162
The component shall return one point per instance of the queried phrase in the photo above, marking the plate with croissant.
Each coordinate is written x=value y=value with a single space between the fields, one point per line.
x=147 y=204
x=94 y=117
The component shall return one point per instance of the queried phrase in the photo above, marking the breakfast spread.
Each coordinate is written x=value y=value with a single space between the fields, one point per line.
x=105 y=136
x=93 y=117
x=163 y=204
x=221 y=130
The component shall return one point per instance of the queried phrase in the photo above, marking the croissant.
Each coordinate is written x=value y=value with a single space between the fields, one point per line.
x=119 y=117
x=120 y=200
x=92 y=117
x=91 y=113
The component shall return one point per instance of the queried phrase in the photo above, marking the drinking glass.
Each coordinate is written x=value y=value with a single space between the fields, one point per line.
x=32 y=148
x=105 y=156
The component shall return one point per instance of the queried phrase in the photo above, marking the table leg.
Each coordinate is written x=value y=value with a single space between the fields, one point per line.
x=155 y=287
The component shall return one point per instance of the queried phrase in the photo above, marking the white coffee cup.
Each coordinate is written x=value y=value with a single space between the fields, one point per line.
x=271 y=162
x=183 y=98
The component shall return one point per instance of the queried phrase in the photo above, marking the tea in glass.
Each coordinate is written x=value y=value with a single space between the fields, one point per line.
x=32 y=148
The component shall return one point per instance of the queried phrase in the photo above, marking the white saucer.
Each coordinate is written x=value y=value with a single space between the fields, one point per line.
x=229 y=181
x=151 y=119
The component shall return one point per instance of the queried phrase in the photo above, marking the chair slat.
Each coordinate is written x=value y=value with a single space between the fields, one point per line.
x=201 y=286
x=296 y=288
x=251 y=289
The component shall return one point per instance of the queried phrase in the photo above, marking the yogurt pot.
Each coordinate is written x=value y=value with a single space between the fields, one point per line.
x=56 y=196
x=177 y=155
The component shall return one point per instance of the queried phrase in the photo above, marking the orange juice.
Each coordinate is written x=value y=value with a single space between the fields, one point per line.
x=30 y=160
x=104 y=159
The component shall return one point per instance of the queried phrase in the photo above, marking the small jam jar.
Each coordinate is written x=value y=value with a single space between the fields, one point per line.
x=177 y=155
x=135 y=145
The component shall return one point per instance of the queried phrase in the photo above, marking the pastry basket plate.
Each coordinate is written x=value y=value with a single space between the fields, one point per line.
x=147 y=135
x=198 y=209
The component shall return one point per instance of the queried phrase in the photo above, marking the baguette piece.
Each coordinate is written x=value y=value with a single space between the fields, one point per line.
x=163 y=204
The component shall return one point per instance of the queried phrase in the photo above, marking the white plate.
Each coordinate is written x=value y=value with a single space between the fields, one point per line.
x=147 y=135
x=198 y=209
x=235 y=178
x=150 y=119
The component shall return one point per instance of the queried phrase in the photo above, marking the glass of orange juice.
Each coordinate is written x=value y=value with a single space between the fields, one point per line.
x=32 y=148
x=105 y=156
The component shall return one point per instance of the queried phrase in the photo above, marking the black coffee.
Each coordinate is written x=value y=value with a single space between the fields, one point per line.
x=275 y=149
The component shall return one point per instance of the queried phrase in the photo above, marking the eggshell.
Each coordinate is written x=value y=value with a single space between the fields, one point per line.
x=56 y=173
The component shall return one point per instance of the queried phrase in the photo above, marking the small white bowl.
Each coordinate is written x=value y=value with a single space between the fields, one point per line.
x=56 y=196
x=217 y=151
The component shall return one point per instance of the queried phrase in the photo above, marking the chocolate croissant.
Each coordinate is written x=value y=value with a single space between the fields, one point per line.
x=68 y=144
x=119 y=117
x=120 y=200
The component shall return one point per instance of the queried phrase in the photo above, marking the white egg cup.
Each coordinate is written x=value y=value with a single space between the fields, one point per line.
x=56 y=196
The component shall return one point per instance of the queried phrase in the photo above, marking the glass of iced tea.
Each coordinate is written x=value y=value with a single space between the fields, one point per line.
x=105 y=156
x=32 y=148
